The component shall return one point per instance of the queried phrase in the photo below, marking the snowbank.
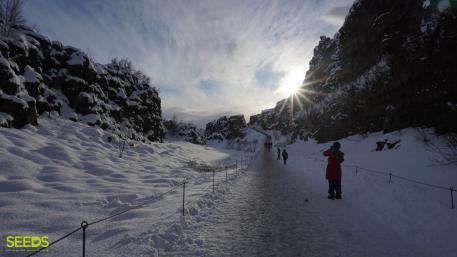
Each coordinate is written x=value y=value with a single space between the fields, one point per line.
x=63 y=172
x=418 y=212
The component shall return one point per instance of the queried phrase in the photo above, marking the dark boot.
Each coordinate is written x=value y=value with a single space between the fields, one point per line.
x=331 y=189
x=338 y=189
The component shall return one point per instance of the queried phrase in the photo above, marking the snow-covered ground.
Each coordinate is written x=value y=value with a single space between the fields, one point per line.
x=278 y=210
x=419 y=213
x=60 y=173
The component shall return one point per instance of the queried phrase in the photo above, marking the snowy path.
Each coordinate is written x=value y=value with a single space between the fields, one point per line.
x=272 y=211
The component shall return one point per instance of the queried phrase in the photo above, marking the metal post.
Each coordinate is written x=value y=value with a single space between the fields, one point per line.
x=390 y=177
x=452 y=197
x=213 y=179
x=356 y=170
x=84 y=225
x=183 y=196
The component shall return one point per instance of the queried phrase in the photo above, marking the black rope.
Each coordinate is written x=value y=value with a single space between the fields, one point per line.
x=389 y=174
x=419 y=182
x=153 y=198
x=55 y=242
x=136 y=206
x=106 y=218
x=374 y=171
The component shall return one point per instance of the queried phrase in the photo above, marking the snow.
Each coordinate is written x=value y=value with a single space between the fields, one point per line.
x=14 y=99
x=77 y=58
x=5 y=118
x=4 y=62
x=418 y=213
x=73 y=78
x=451 y=105
x=443 y=5
x=100 y=69
x=249 y=143
x=277 y=210
x=379 y=19
x=64 y=172
x=31 y=76
x=426 y=4
x=90 y=118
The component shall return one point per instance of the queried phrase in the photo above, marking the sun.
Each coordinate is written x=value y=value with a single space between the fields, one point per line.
x=291 y=83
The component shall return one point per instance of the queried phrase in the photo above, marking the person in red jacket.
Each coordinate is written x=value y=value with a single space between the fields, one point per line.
x=333 y=174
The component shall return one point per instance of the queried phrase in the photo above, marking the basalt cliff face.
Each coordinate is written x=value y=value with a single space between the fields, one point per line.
x=392 y=65
x=39 y=76
x=233 y=127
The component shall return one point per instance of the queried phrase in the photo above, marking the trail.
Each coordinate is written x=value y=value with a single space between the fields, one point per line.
x=274 y=211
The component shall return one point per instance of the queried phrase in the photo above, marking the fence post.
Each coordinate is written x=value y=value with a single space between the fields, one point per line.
x=356 y=170
x=183 y=195
x=390 y=177
x=84 y=225
x=236 y=167
x=452 y=197
x=213 y=179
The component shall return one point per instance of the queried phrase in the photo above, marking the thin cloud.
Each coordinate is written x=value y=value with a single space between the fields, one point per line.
x=182 y=45
x=336 y=15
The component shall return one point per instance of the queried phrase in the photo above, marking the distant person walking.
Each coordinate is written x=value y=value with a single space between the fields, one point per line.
x=268 y=145
x=285 y=156
x=279 y=154
x=333 y=174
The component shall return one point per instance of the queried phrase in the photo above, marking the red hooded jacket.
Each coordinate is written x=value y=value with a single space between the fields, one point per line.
x=335 y=158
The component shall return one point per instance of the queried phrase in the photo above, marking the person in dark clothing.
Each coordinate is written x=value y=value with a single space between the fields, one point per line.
x=285 y=156
x=333 y=174
x=279 y=154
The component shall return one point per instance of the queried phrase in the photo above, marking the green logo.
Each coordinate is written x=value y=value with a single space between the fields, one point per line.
x=25 y=243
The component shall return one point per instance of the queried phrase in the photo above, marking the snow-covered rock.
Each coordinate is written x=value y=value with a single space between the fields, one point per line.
x=186 y=131
x=42 y=76
x=390 y=66
x=226 y=128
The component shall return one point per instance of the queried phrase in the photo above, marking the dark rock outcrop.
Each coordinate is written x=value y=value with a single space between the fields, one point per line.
x=38 y=76
x=186 y=131
x=226 y=128
x=392 y=65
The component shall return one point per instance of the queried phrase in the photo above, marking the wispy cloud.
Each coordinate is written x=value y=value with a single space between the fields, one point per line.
x=206 y=56
x=337 y=14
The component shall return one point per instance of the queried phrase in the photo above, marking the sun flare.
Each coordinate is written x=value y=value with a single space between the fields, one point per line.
x=292 y=83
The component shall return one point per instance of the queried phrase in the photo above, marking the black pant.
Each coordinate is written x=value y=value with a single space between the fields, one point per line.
x=285 y=161
x=334 y=186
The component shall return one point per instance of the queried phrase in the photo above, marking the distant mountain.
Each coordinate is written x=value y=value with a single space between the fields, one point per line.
x=392 y=65
x=39 y=76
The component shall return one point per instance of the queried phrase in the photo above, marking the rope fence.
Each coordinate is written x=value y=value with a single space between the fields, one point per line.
x=391 y=175
x=237 y=166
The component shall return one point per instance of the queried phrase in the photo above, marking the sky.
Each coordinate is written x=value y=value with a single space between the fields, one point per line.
x=207 y=57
